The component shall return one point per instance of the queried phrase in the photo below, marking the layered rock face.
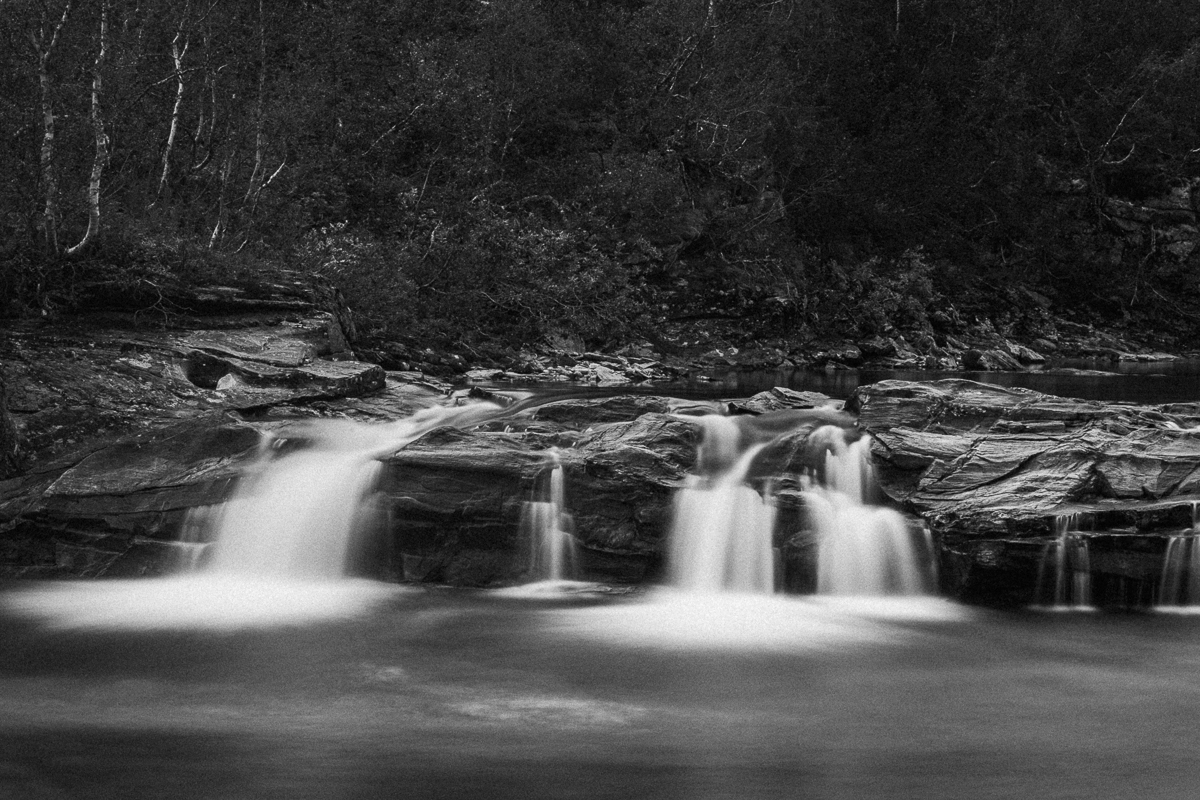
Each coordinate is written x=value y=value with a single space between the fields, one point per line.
x=996 y=472
x=125 y=423
x=128 y=429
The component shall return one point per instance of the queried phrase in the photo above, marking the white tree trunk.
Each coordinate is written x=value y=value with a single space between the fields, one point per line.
x=100 y=160
x=178 y=51
x=44 y=44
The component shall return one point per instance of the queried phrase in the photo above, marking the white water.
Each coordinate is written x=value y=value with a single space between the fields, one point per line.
x=281 y=542
x=862 y=549
x=721 y=534
x=1179 y=584
x=1065 y=572
x=549 y=530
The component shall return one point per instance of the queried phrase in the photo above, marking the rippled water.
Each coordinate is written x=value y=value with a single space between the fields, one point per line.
x=555 y=692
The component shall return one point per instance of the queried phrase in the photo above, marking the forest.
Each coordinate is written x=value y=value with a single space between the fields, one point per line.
x=482 y=174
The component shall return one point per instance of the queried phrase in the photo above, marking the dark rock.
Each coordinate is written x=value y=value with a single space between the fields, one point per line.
x=11 y=459
x=581 y=412
x=877 y=347
x=86 y=513
x=1045 y=345
x=778 y=399
x=1025 y=355
x=455 y=498
x=843 y=353
x=987 y=360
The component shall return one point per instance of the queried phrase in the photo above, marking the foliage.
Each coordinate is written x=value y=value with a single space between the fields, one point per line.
x=593 y=169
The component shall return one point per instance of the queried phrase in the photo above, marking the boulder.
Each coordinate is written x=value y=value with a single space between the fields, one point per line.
x=778 y=399
x=455 y=499
x=987 y=360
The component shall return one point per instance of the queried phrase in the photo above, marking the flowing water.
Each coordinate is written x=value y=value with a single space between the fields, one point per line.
x=863 y=549
x=548 y=529
x=437 y=694
x=1179 y=585
x=721 y=535
x=1065 y=573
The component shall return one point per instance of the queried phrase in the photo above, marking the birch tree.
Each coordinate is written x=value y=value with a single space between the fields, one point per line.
x=99 y=135
x=45 y=41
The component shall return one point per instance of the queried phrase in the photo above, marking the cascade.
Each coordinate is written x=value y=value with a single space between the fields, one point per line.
x=721 y=534
x=280 y=544
x=1179 y=583
x=548 y=528
x=297 y=513
x=1068 y=562
x=861 y=549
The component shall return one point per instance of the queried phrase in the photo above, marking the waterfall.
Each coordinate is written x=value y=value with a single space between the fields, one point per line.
x=721 y=534
x=723 y=529
x=280 y=544
x=861 y=549
x=297 y=512
x=1179 y=584
x=1065 y=572
x=549 y=530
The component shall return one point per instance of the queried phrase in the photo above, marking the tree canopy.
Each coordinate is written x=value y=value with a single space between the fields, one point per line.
x=473 y=170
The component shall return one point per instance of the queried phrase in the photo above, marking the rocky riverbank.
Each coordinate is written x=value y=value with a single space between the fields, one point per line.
x=128 y=431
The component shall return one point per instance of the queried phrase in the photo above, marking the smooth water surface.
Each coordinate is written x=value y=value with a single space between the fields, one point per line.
x=1149 y=383
x=453 y=694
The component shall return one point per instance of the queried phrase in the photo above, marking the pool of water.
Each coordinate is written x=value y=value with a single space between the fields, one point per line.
x=430 y=693
x=1161 y=382
x=1134 y=382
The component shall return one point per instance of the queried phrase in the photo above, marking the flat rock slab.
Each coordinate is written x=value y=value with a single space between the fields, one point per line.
x=1001 y=474
x=72 y=384
x=975 y=458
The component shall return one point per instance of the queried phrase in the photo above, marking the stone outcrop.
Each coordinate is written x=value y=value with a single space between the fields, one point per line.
x=997 y=471
x=130 y=429
x=117 y=509
x=128 y=418
x=455 y=499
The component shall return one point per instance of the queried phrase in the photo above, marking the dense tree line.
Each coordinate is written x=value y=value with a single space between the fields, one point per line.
x=480 y=170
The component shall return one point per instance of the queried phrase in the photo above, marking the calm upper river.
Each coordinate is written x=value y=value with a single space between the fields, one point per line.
x=454 y=694
x=1161 y=382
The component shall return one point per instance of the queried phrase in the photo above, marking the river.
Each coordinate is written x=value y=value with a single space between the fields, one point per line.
x=354 y=689
x=452 y=694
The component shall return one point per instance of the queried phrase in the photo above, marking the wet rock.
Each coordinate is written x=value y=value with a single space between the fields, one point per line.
x=582 y=412
x=987 y=360
x=1025 y=355
x=455 y=498
x=88 y=513
x=780 y=398
x=997 y=466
